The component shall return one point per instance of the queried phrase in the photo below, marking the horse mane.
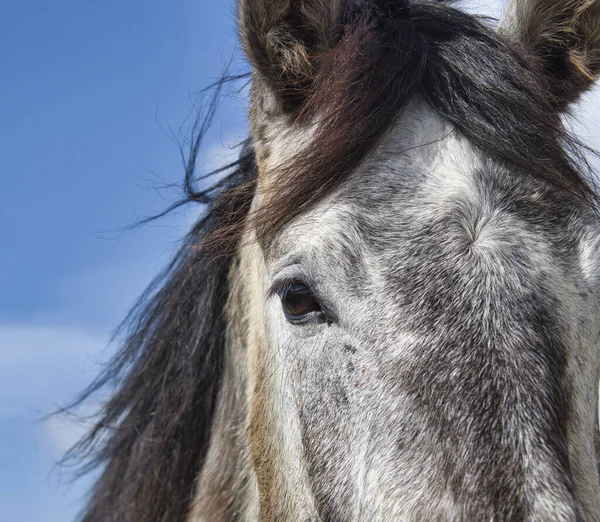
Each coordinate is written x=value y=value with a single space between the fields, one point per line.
x=152 y=434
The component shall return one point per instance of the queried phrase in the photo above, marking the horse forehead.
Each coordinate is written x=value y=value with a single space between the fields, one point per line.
x=420 y=169
x=425 y=190
x=422 y=166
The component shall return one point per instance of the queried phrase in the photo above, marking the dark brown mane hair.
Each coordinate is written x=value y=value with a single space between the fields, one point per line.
x=153 y=433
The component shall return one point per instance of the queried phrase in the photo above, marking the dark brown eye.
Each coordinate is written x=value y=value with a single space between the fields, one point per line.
x=298 y=301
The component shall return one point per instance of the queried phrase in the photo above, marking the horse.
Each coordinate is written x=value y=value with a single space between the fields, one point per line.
x=390 y=307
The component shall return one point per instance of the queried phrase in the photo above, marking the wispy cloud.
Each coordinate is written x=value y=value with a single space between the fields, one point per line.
x=42 y=366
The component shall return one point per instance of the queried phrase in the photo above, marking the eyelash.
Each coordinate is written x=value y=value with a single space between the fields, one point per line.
x=283 y=286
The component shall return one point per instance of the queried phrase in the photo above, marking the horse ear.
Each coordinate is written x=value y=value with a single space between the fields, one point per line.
x=288 y=41
x=564 y=35
x=284 y=39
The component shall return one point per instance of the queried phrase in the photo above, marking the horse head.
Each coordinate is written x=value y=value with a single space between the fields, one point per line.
x=391 y=309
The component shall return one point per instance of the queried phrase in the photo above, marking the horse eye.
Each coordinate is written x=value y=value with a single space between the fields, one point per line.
x=297 y=302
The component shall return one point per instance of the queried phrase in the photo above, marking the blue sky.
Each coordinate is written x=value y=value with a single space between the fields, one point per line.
x=87 y=90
